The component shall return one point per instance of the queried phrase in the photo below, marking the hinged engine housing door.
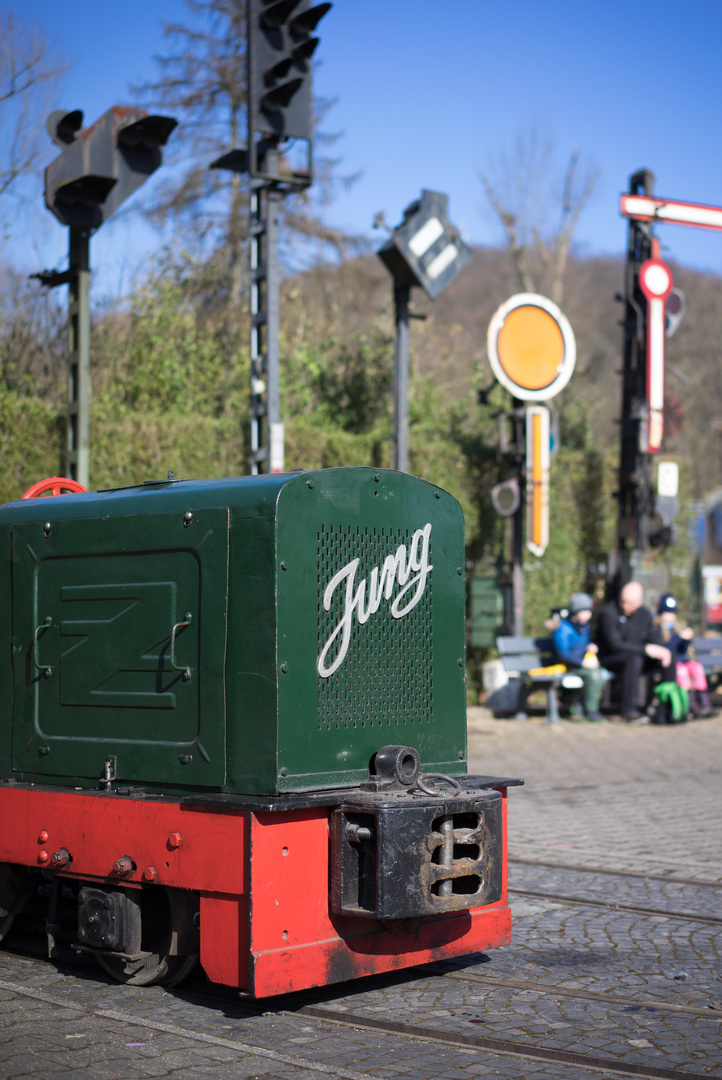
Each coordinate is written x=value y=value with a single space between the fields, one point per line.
x=119 y=632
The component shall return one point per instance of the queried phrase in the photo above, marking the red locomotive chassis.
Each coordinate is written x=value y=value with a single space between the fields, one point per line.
x=261 y=877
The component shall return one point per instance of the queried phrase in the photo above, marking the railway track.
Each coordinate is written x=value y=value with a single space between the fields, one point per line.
x=635 y=909
x=605 y=872
x=338 y=1007
x=359 y=1021
x=501 y=1046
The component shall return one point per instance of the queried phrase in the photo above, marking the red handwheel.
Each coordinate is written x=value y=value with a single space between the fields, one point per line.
x=56 y=485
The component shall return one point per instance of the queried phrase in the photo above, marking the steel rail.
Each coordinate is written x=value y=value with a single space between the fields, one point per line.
x=709 y=1012
x=286 y=1058
x=636 y=909
x=614 y=873
x=499 y=1046
x=504 y=1047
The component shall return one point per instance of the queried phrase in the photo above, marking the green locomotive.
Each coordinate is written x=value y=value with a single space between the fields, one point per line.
x=237 y=728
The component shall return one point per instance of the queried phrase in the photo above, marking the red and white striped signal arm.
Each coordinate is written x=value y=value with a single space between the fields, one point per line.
x=651 y=208
x=655 y=281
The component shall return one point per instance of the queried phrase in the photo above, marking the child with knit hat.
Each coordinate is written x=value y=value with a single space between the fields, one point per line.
x=572 y=642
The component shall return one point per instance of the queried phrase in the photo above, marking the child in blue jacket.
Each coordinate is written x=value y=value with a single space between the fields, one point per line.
x=572 y=643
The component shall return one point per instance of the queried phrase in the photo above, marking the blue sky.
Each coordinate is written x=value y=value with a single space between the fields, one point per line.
x=426 y=91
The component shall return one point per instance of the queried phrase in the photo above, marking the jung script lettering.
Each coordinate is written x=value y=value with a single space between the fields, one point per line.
x=410 y=569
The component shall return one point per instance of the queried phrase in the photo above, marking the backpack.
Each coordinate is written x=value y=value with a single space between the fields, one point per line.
x=671 y=703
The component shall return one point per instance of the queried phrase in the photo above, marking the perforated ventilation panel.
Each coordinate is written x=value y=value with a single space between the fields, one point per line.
x=386 y=679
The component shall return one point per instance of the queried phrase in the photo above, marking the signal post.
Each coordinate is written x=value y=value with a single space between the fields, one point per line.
x=532 y=353
x=98 y=169
x=424 y=250
x=281 y=44
x=653 y=310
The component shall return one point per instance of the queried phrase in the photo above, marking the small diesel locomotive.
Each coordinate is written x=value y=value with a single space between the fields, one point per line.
x=234 y=729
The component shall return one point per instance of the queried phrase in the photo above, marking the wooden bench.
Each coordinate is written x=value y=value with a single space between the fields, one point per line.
x=708 y=650
x=520 y=656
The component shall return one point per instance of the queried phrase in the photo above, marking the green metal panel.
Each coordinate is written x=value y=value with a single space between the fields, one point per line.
x=252 y=672
x=251 y=558
x=399 y=678
x=486 y=611
x=95 y=604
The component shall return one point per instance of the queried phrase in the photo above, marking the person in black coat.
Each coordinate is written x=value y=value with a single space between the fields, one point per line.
x=628 y=644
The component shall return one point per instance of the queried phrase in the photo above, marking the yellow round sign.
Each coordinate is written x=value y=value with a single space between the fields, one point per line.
x=531 y=347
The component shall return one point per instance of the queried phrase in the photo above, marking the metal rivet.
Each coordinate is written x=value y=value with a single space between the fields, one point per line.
x=44 y=749
x=376 y=477
x=185 y=759
x=283 y=566
x=43 y=837
x=284 y=668
x=284 y=851
x=309 y=483
x=187 y=518
x=461 y=755
x=460 y=663
x=284 y=935
x=174 y=840
x=284 y=772
x=459 y=571
x=43 y=856
x=47 y=528
x=437 y=494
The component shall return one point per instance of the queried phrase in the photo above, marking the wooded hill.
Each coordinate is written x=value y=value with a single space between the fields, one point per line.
x=170 y=386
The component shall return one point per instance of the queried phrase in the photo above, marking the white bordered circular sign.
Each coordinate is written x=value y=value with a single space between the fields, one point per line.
x=655 y=279
x=531 y=347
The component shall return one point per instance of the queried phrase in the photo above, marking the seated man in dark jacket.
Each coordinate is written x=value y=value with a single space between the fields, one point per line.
x=627 y=642
x=572 y=646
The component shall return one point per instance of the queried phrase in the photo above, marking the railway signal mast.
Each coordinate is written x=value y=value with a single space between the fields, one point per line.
x=424 y=250
x=279 y=162
x=532 y=353
x=98 y=169
x=654 y=309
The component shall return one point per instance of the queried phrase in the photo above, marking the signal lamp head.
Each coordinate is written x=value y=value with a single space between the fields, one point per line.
x=425 y=249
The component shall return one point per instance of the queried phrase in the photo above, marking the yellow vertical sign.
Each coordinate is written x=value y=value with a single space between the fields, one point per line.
x=537 y=478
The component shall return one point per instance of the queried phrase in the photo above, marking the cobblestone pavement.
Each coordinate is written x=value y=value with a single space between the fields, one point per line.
x=625 y=798
x=607 y=974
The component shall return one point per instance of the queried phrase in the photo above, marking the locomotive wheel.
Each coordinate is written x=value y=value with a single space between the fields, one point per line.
x=168 y=916
x=5 y=923
x=16 y=887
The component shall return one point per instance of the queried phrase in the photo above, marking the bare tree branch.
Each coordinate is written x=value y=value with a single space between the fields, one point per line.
x=509 y=221
x=29 y=74
x=572 y=206
x=528 y=205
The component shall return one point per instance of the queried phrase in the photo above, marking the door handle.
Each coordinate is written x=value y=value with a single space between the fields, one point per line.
x=179 y=667
x=45 y=669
